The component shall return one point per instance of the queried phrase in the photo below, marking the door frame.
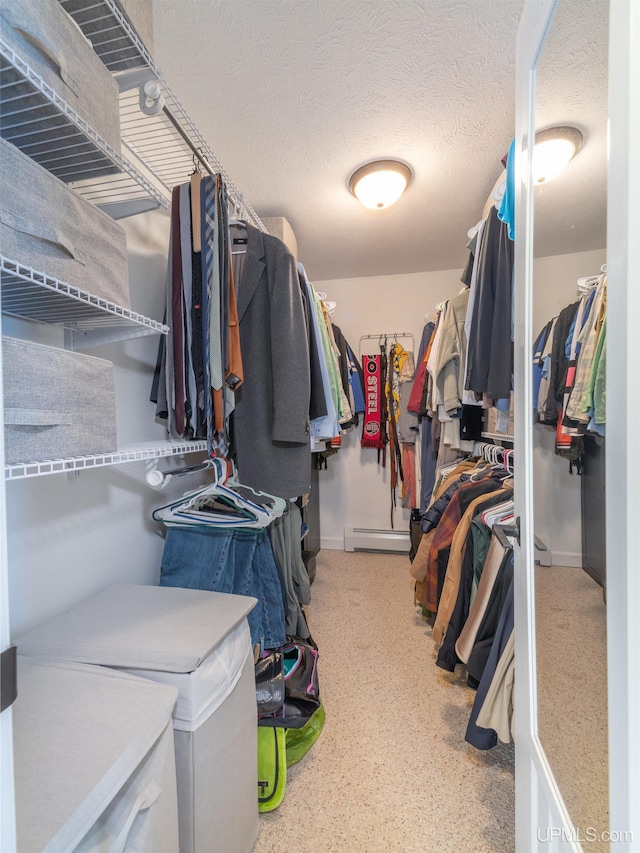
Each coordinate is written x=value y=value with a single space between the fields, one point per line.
x=623 y=411
x=542 y=820
x=7 y=785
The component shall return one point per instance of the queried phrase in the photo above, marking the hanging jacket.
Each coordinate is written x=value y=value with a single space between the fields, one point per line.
x=490 y=348
x=558 y=365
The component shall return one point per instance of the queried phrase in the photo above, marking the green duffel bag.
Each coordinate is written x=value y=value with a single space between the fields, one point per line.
x=272 y=767
x=300 y=741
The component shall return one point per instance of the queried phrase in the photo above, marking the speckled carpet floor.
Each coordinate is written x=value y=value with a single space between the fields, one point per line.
x=391 y=770
x=572 y=692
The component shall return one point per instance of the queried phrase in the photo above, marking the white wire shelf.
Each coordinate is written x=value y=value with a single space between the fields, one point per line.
x=499 y=436
x=166 y=142
x=135 y=453
x=35 y=119
x=33 y=295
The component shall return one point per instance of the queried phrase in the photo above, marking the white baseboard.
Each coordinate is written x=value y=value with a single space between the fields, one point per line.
x=332 y=543
x=365 y=539
x=573 y=559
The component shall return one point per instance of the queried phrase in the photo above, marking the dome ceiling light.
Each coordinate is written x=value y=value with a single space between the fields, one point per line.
x=381 y=183
x=554 y=148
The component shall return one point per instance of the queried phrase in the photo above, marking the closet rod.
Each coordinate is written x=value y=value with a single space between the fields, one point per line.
x=387 y=335
x=196 y=152
x=159 y=479
x=236 y=202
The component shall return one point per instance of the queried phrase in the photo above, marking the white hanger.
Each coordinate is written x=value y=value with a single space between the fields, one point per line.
x=191 y=509
x=587 y=283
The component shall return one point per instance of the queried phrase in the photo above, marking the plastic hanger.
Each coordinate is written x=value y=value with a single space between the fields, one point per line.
x=216 y=505
x=278 y=505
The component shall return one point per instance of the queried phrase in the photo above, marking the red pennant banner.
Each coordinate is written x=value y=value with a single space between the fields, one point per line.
x=372 y=435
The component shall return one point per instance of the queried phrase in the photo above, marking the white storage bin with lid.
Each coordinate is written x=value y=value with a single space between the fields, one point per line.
x=94 y=761
x=200 y=642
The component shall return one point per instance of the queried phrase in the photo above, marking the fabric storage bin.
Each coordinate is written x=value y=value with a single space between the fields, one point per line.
x=57 y=403
x=199 y=642
x=47 y=226
x=140 y=13
x=43 y=35
x=104 y=30
x=94 y=761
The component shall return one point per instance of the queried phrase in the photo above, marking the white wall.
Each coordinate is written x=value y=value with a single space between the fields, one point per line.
x=354 y=490
x=70 y=536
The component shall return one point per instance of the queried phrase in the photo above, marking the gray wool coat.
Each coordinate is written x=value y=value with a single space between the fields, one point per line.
x=271 y=419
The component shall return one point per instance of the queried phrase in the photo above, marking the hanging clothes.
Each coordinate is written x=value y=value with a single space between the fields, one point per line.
x=202 y=312
x=348 y=369
x=452 y=580
x=452 y=354
x=234 y=561
x=476 y=735
x=490 y=358
x=271 y=418
x=323 y=427
x=317 y=401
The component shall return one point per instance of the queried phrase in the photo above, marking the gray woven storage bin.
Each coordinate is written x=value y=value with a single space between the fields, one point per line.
x=104 y=30
x=47 y=226
x=140 y=13
x=43 y=35
x=57 y=404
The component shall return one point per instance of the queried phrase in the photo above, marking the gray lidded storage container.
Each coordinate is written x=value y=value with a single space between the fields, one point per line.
x=199 y=642
x=47 y=226
x=43 y=35
x=57 y=403
x=94 y=761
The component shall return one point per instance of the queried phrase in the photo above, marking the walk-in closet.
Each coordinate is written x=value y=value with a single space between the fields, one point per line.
x=319 y=334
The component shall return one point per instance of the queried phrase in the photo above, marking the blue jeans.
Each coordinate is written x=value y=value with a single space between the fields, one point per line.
x=234 y=561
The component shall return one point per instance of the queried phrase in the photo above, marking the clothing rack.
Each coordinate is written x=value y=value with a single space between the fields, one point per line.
x=236 y=199
x=385 y=336
x=494 y=453
x=159 y=479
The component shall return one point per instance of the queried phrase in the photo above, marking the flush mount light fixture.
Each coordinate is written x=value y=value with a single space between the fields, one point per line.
x=381 y=183
x=554 y=148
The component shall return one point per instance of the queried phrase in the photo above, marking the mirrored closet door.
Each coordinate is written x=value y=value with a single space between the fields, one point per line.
x=577 y=89
x=569 y=435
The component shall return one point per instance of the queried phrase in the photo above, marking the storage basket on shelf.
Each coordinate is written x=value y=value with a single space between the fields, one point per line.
x=43 y=35
x=57 y=404
x=48 y=227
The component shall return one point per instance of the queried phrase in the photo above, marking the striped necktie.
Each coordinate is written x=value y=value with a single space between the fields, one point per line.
x=207 y=206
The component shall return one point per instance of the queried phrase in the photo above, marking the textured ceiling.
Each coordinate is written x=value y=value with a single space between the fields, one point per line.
x=293 y=95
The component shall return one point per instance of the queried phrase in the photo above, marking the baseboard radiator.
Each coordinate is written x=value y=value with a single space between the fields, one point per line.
x=363 y=539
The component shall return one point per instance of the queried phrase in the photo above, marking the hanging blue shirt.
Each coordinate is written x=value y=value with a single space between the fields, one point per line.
x=507 y=212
